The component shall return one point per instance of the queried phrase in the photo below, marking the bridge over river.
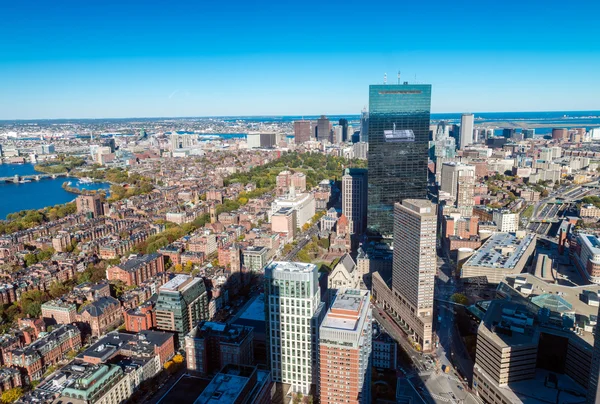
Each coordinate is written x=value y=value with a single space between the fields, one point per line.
x=33 y=177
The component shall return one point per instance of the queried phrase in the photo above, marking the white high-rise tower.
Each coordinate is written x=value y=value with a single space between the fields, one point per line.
x=294 y=312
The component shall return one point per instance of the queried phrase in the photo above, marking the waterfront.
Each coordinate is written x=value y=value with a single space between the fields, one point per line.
x=35 y=194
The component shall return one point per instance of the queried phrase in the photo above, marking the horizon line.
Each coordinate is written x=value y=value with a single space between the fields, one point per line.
x=270 y=115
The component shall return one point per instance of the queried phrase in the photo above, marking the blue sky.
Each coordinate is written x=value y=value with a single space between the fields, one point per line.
x=78 y=59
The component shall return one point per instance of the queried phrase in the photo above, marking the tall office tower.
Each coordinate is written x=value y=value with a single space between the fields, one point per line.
x=302 y=131
x=508 y=133
x=338 y=134
x=360 y=151
x=528 y=133
x=294 y=311
x=174 y=141
x=458 y=180
x=354 y=198
x=180 y=141
x=442 y=131
x=443 y=145
x=560 y=134
x=181 y=304
x=546 y=154
x=344 y=124
x=364 y=125
x=90 y=205
x=398 y=149
x=323 y=129
x=414 y=266
x=467 y=121
x=345 y=346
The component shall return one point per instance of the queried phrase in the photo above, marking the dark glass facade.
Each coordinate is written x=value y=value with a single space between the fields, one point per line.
x=398 y=136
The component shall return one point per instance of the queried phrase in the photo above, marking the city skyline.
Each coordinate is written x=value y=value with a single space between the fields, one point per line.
x=88 y=61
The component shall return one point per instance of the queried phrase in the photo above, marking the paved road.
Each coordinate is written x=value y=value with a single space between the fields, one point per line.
x=304 y=239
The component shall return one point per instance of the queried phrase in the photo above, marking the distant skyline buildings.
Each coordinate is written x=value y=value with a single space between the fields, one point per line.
x=121 y=73
x=467 y=123
x=303 y=131
x=323 y=133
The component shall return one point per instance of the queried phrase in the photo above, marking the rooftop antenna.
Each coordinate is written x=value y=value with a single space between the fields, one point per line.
x=384 y=78
x=398 y=76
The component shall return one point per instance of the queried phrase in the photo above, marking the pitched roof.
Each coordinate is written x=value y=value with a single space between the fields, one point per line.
x=347 y=262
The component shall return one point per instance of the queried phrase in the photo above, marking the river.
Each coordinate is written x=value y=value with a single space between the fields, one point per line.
x=36 y=194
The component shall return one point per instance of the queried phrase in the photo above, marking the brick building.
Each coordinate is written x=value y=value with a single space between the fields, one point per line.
x=136 y=270
x=101 y=315
x=34 y=359
x=140 y=318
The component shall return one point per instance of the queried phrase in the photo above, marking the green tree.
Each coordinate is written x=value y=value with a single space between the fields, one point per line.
x=12 y=395
x=30 y=259
x=58 y=289
x=459 y=298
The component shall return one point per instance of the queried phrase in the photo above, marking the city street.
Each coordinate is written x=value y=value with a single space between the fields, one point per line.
x=450 y=352
x=304 y=240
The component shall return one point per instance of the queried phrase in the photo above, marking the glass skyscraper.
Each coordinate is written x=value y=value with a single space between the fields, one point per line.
x=398 y=136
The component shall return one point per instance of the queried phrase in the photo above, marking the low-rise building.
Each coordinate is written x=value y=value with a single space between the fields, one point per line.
x=59 y=312
x=137 y=269
x=506 y=221
x=102 y=384
x=255 y=258
x=585 y=250
x=34 y=359
x=589 y=210
x=101 y=315
x=141 y=318
x=501 y=255
x=385 y=351
x=539 y=337
x=236 y=384
x=210 y=346
x=10 y=378
x=144 y=344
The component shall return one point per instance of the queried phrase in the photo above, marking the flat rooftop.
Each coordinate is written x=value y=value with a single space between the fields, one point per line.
x=349 y=299
x=422 y=206
x=509 y=324
x=572 y=307
x=501 y=250
x=299 y=267
x=592 y=242
x=537 y=390
x=347 y=310
x=256 y=249
x=256 y=310
x=178 y=282
x=228 y=384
